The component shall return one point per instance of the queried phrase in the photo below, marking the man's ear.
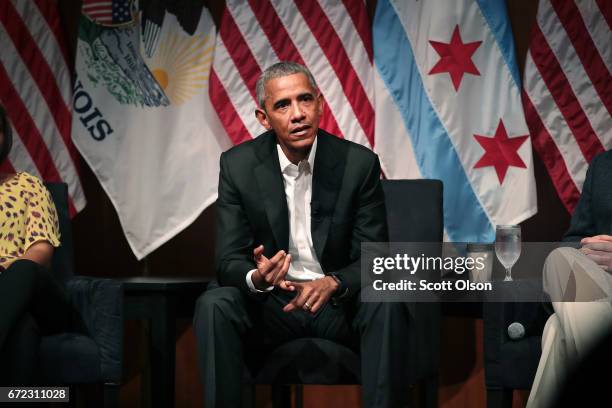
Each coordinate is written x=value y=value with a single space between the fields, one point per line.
x=321 y=102
x=262 y=117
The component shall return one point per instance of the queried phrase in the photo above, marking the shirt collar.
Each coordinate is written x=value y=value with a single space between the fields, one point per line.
x=289 y=168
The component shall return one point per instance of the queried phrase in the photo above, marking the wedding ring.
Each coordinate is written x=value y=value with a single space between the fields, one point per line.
x=307 y=306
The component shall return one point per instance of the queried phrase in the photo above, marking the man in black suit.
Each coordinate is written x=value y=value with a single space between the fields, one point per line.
x=294 y=206
x=592 y=218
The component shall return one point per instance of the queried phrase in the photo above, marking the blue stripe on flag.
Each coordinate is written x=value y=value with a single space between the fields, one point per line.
x=496 y=15
x=464 y=218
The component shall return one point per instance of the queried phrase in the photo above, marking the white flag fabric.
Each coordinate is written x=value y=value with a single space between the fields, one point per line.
x=568 y=89
x=143 y=120
x=448 y=107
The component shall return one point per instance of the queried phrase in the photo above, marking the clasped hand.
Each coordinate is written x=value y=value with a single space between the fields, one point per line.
x=311 y=296
x=599 y=249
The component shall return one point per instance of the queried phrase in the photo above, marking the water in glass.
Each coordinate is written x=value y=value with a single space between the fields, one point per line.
x=508 y=246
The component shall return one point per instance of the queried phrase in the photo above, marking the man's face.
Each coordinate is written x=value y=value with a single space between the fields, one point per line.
x=292 y=109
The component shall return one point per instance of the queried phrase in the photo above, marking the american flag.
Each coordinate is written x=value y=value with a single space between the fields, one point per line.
x=107 y=12
x=333 y=39
x=567 y=92
x=35 y=90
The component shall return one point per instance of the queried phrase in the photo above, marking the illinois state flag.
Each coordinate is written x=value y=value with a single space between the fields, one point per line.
x=142 y=115
x=448 y=107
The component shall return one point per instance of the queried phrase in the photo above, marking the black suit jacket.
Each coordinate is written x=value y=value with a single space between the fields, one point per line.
x=347 y=207
x=593 y=214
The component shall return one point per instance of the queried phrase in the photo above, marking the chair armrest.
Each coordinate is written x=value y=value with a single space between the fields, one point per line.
x=512 y=363
x=99 y=306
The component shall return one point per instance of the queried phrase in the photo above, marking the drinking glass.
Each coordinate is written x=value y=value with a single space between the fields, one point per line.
x=508 y=246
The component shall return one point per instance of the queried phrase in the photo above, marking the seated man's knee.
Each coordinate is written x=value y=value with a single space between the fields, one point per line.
x=569 y=275
x=217 y=299
x=560 y=258
x=557 y=269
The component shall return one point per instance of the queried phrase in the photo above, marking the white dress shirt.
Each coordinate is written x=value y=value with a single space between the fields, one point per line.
x=298 y=191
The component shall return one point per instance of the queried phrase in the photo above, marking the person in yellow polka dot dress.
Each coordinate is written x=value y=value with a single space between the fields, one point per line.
x=29 y=226
x=31 y=301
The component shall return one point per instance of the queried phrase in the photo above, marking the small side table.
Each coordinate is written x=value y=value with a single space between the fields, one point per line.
x=162 y=300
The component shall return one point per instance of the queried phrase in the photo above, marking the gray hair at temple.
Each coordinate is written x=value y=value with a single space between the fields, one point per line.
x=5 y=129
x=280 y=69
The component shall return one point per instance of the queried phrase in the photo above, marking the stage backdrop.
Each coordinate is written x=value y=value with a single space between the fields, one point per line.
x=191 y=251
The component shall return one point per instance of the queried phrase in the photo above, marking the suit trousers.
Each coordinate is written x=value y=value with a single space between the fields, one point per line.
x=32 y=303
x=233 y=327
x=579 y=321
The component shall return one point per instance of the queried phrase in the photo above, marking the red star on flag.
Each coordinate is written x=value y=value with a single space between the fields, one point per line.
x=500 y=151
x=455 y=58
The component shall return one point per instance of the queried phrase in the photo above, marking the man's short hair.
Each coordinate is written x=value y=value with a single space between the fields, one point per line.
x=281 y=69
x=5 y=128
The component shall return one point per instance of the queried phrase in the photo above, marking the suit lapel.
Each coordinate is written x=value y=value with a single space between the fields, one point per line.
x=270 y=183
x=326 y=183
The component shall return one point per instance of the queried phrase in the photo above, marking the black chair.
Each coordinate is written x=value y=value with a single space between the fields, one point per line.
x=92 y=351
x=414 y=214
x=511 y=364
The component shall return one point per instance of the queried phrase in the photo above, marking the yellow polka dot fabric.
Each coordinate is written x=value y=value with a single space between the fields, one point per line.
x=27 y=216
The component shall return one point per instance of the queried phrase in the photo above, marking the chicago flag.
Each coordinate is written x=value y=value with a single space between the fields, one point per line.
x=448 y=106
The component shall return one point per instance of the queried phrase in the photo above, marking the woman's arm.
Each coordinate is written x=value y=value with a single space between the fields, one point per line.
x=42 y=225
x=40 y=252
